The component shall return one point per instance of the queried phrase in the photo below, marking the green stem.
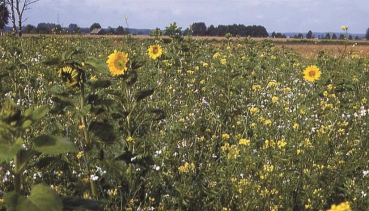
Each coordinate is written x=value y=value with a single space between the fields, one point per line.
x=17 y=173
x=93 y=184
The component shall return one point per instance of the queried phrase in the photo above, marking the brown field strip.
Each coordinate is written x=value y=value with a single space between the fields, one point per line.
x=307 y=48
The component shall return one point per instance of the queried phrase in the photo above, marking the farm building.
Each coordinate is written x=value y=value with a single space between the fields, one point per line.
x=97 y=31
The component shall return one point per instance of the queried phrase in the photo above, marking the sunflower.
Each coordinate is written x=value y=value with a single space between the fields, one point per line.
x=154 y=51
x=71 y=77
x=117 y=63
x=312 y=73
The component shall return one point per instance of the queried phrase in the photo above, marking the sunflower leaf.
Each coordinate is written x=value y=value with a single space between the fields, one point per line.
x=98 y=65
x=53 y=145
x=143 y=94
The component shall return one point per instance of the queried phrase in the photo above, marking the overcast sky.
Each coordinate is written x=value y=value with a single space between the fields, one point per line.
x=274 y=15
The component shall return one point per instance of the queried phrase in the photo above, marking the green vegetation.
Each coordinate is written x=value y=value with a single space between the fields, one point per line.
x=193 y=125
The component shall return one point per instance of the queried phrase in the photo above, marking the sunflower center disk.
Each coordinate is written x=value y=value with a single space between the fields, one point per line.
x=119 y=64
x=312 y=73
x=155 y=50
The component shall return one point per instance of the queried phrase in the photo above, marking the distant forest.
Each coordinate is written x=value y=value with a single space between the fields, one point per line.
x=196 y=29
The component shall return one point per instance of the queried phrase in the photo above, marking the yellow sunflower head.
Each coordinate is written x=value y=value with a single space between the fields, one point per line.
x=117 y=63
x=312 y=73
x=71 y=77
x=154 y=51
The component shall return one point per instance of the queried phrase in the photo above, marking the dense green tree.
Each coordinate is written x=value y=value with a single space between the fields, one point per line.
x=156 y=32
x=29 y=29
x=299 y=36
x=198 y=29
x=4 y=16
x=95 y=26
x=342 y=37
x=110 y=30
x=173 y=30
x=334 y=36
x=309 y=35
x=212 y=31
x=327 y=36
x=367 y=34
x=73 y=28
x=119 y=30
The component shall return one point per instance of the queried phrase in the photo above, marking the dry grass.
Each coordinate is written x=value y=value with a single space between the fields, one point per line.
x=307 y=48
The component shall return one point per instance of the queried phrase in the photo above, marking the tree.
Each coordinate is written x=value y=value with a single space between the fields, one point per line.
x=212 y=31
x=119 y=30
x=4 y=16
x=198 y=29
x=111 y=30
x=95 y=26
x=334 y=36
x=367 y=34
x=309 y=35
x=328 y=36
x=73 y=28
x=173 y=30
x=299 y=36
x=29 y=29
x=17 y=8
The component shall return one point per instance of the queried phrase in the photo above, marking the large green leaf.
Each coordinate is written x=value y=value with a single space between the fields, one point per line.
x=39 y=113
x=53 y=145
x=99 y=84
x=104 y=131
x=41 y=198
x=8 y=151
x=97 y=64
x=72 y=203
x=51 y=61
x=143 y=94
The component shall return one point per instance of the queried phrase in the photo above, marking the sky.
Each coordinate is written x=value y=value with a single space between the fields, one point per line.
x=275 y=15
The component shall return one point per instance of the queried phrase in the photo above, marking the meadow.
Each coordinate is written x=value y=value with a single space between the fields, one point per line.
x=166 y=123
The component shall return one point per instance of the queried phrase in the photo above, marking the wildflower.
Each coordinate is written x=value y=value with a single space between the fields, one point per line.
x=154 y=51
x=80 y=154
x=223 y=61
x=281 y=143
x=113 y=192
x=130 y=139
x=216 y=55
x=344 y=206
x=256 y=87
x=267 y=122
x=344 y=28
x=186 y=167
x=274 y=99
x=244 y=141
x=253 y=110
x=71 y=77
x=225 y=136
x=117 y=62
x=312 y=73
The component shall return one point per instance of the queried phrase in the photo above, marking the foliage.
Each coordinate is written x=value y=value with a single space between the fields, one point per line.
x=231 y=125
x=4 y=16
x=95 y=26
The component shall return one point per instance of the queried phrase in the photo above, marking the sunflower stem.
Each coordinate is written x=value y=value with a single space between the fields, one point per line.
x=93 y=185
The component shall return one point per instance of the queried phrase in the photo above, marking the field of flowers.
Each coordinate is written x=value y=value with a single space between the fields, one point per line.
x=181 y=124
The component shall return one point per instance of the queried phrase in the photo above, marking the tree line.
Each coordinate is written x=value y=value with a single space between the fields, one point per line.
x=200 y=29
x=14 y=10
